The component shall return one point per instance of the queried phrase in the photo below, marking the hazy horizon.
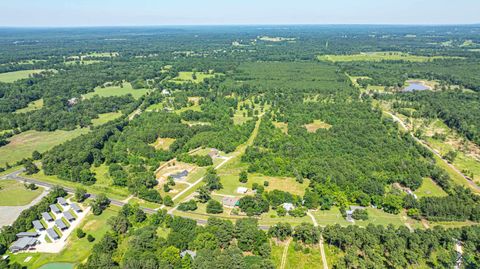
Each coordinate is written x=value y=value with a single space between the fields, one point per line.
x=125 y=13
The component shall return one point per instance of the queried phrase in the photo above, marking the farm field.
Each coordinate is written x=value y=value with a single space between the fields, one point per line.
x=76 y=250
x=35 y=105
x=23 y=144
x=379 y=56
x=116 y=91
x=14 y=193
x=16 y=75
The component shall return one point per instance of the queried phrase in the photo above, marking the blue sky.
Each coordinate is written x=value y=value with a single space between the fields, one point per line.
x=193 y=12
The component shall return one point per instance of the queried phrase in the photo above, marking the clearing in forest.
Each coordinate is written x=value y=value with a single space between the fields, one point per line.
x=163 y=143
x=429 y=188
x=109 y=91
x=32 y=106
x=282 y=126
x=195 y=77
x=106 y=117
x=317 y=124
x=10 y=77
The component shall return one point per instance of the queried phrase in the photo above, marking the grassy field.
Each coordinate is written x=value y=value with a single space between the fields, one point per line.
x=379 y=56
x=103 y=184
x=76 y=250
x=16 y=75
x=116 y=91
x=22 y=145
x=317 y=124
x=370 y=88
x=303 y=259
x=429 y=188
x=106 y=117
x=14 y=193
x=188 y=77
x=35 y=105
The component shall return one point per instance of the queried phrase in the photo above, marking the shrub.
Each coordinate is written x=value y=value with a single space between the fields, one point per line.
x=90 y=238
x=80 y=233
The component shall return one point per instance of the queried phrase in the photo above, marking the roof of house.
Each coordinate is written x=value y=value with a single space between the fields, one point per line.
x=189 y=252
x=51 y=232
x=230 y=201
x=288 y=206
x=23 y=243
x=27 y=234
x=62 y=201
x=76 y=207
x=47 y=216
x=180 y=175
x=242 y=190
x=60 y=224
x=37 y=225
x=55 y=208
x=68 y=216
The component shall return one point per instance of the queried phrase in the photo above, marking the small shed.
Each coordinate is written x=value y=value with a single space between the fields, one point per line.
x=62 y=201
x=27 y=234
x=76 y=208
x=47 y=217
x=55 y=209
x=68 y=216
x=242 y=190
x=38 y=225
x=52 y=234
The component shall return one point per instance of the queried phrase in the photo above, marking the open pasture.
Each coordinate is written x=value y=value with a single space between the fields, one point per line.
x=22 y=145
x=14 y=193
x=32 y=106
x=116 y=91
x=10 y=77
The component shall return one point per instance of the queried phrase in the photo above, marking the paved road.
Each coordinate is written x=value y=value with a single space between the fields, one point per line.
x=469 y=181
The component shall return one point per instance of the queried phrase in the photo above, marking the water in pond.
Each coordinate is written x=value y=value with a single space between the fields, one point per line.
x=415 y=86
x=58 y=266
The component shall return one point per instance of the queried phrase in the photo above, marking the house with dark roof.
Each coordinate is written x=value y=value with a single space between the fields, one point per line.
x=55 y=209
x=180 y=176
x=47 y=217
x=27 y=234
x=62 y=201
x=23 y=243
x=61 y=225
x=76 y=208
x=38 y=225
x=52 y=234
x=68 y=216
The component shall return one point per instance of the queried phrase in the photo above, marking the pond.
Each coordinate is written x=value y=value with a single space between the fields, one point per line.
x=58 y=266
x=416 y=86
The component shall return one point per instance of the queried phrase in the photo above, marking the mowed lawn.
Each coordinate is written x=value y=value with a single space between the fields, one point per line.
x=14 y=193
x=76 y=250
x=429 y=188
x=10 y=77
x=116 y=91
x=22 y=145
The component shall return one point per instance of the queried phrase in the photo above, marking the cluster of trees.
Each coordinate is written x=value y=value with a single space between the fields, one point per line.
x=218 y=244
x=390 y=247
x=459 y=110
